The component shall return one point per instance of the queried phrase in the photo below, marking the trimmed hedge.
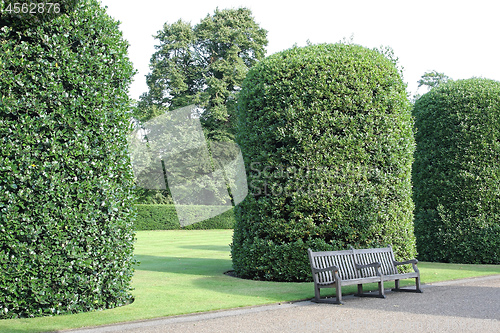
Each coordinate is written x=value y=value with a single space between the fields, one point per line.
x=326 y=135
x=66 y=232
x=164 y=217
x=457 y=172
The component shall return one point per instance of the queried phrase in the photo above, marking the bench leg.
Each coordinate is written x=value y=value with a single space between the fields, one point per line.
x=416 y=290
x=417 y=285
x=317 y=295
x=338 y=291
x=381 y=293
x=396 y=285
x=338 y=295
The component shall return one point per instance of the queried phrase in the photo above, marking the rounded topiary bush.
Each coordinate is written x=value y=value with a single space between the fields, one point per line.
x=327 y=139
x=66 y=231
x=456 y=174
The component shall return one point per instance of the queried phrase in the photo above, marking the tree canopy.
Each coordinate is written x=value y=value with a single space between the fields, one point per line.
x=204 y=65
x=433 y=79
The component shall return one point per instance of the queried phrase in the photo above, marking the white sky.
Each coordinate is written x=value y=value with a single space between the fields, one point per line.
x=459 y=38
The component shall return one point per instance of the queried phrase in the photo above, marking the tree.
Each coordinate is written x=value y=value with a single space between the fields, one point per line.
x=456 y=173
x=433 y=79
x=204 y=65
x=327 y=139
x=66 y=218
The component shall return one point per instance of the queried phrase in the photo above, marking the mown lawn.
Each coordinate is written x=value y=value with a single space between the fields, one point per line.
x=183 y=272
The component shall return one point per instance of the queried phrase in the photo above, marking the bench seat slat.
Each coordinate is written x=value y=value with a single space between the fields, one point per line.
x=400 y=276
x=372 y=279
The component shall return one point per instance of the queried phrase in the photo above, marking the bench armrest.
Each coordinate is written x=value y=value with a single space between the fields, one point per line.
x=412 y=261
x=326 y=269
x=373 y=264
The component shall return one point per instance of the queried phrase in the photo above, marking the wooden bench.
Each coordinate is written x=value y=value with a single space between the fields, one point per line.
x=334 y=269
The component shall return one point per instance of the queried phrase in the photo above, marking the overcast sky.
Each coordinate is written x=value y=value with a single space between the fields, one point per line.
x=459 y=38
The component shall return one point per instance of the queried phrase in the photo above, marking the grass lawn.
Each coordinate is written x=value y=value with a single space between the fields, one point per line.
x=182 y=272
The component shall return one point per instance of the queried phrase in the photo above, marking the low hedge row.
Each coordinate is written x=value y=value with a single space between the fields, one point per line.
x=164 y=217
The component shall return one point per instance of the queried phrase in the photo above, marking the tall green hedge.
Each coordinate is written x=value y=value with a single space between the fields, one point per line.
x=326 y=135
x=457 y=172
x=66 y=231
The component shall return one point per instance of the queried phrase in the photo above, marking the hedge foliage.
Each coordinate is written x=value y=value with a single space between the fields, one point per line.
x=164 y=217
x=66 y=231
x=326 y=135
x=456 y=173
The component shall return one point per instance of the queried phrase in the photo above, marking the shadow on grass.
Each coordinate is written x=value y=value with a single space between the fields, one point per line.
x=222 y=248
x=9 y=329
x=183 y=265
x=211 y=278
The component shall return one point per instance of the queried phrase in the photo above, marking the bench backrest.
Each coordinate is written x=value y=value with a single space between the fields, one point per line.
x=344 y=260
x=383 y=255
